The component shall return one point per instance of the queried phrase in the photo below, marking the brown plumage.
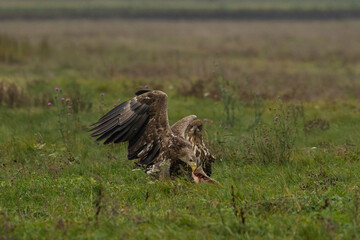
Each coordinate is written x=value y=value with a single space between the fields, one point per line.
x=191 y=130
x=143 y=122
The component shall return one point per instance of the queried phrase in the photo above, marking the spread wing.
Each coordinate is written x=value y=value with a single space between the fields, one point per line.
x=136 y=121
x=180 y=126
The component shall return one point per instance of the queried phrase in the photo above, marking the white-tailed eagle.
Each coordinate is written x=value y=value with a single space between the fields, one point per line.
x=191 y=130
x=143 y=122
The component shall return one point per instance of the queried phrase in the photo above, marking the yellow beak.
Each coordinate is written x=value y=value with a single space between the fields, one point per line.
x=193 y=166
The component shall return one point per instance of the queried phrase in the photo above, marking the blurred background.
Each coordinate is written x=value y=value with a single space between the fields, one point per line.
x=64 y=63
x=297 y=50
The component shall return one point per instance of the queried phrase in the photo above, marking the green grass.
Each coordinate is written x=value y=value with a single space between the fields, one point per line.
x=75 y=188
x=50 y=188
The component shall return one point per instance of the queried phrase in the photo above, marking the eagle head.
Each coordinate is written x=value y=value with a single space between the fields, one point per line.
x=194 y=130
x=184 y=153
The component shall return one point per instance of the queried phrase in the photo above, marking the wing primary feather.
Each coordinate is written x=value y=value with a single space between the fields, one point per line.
x=121 y=130
x=120 y=134
x=114 y=110
x=120 y=113
x=129 y=131
x=137 y=143
x=137 y=128
x=98 y=130
x=115 y=135
x=109 y=127
x=133 y=129
x=105 y=134
x=138 y=137
x=111 y=133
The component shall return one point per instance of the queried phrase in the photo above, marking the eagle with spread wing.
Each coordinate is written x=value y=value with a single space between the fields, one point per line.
x=191 y=130
x=143 y=122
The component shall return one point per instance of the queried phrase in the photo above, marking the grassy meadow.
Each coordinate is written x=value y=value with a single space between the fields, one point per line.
x=281 y=103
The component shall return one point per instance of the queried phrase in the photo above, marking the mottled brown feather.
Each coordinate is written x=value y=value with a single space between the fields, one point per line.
x=185 y=128
x=143 y=122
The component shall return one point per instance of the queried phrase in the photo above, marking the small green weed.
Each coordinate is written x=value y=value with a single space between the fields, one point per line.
x=274 y=142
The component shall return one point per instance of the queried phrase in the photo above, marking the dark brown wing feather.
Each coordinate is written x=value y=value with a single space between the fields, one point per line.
x=135 y=121
x=121 y=123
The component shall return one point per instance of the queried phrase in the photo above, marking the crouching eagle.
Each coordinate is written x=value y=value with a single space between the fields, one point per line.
x=191 y=130
x=143 y=122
